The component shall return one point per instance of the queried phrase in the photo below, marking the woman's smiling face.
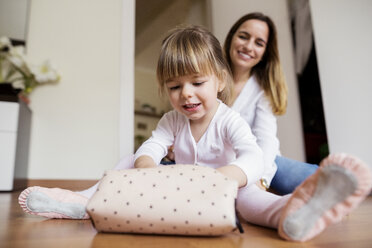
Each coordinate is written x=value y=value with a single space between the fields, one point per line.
x=248 y=44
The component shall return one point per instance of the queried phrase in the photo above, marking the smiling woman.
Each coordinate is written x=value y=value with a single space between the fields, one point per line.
x=260 y=90
x=248 y=47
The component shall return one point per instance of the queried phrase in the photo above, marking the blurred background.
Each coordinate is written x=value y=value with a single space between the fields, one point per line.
x=106 y=103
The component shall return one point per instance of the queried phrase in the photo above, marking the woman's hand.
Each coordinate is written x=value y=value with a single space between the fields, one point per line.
x=170 y=155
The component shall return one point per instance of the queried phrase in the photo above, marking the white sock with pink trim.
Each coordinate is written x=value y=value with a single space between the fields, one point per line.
x=340 y=184
x=53 y=203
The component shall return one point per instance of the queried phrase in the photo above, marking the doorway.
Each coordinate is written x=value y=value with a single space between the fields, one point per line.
x=313 y=121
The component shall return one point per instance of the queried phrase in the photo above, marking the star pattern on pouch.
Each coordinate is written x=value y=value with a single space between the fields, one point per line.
x=176 y=199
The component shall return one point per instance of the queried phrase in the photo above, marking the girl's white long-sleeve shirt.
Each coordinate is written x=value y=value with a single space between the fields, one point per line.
x=228 y=140
x=254 y=107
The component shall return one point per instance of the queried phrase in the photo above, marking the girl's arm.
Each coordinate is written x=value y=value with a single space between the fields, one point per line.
x=265 y=129
x=235 y=173
x=150 y=153
x=248 y=166
x=257 y=112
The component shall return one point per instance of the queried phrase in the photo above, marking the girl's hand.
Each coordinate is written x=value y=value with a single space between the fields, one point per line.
x=235 y=173
x=144 y=162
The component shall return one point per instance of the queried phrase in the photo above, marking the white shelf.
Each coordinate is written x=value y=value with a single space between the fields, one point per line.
x=15 y=123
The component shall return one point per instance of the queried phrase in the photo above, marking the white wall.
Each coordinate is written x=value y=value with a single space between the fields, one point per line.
x=343 y=39
x=224 y=14
x=75 y=124
x=127 y=81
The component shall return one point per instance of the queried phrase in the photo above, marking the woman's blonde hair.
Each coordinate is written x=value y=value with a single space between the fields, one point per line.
x=193 y=50
x=268 y=71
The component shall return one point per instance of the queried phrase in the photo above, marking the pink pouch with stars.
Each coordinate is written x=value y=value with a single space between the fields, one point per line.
x=176 y=199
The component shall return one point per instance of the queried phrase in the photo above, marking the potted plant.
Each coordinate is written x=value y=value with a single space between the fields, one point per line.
x=18 y=73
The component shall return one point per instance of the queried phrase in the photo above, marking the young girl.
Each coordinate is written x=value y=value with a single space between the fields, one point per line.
x=204 y=131
x=260 y=93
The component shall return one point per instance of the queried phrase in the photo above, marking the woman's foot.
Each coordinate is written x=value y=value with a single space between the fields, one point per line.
x=53 y=203
x=340 y=184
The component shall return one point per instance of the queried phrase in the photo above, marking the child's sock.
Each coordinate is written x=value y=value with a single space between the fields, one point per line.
x=53 y=203
x=336 y=188
x=61 y=203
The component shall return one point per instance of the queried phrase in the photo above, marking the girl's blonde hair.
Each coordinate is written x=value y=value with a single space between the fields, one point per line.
x=268 y=71
x=193 y=50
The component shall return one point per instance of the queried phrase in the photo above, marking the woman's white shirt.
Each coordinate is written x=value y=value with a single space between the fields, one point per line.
x=254 y=107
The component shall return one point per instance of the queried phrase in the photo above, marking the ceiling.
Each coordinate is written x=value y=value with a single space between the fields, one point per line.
x=154 y=18
x=147 y=11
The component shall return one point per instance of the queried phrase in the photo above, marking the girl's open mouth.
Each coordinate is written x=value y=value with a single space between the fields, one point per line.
x=191 y=107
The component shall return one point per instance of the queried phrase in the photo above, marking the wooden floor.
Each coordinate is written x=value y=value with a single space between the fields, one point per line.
x=18 y=229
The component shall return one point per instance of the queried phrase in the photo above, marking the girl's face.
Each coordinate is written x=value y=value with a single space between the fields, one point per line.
x=248 y=44
x=194 y=96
